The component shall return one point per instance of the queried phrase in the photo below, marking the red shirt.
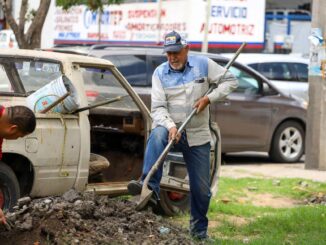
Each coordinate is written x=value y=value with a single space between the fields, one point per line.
x=2 y=110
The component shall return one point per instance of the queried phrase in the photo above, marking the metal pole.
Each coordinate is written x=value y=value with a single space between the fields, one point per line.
x=159 y=20
x=99 y=24
x=204 y=47
x=316 y=118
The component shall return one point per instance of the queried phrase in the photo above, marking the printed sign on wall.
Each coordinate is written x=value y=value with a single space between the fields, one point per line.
x=231 y=21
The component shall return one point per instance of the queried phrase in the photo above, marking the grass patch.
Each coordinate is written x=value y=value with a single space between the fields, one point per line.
x=302 y=225
x=292 y=188
x=236 y=219
x=237 y=209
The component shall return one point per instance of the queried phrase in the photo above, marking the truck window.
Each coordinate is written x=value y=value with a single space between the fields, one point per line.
x=132 y=67
x=101 y=84
x=36 y=74
x=5 y=85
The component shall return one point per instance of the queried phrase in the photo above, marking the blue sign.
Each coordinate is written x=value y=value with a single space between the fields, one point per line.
x=229 y=12
x=91 y=18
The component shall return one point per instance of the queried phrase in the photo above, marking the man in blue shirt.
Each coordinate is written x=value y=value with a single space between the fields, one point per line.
x=178 y=86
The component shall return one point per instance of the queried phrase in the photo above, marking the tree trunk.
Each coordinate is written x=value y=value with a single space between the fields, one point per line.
x=32 y=38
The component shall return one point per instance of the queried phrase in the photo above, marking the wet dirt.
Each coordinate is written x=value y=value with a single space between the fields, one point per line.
x=76 y=218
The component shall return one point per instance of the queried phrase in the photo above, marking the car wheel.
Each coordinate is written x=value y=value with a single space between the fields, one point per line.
x=172 y=203
x=288 y=143
x=9 y=187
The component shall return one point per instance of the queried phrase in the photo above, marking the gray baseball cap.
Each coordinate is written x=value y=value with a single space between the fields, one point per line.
x=173 y=42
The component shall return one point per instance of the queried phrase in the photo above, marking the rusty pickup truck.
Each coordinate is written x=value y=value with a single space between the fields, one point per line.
x=58 y=155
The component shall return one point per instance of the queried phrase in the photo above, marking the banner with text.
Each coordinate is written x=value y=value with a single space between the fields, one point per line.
x=231 y=21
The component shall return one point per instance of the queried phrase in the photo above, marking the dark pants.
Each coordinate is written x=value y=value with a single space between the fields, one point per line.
x=197 y=160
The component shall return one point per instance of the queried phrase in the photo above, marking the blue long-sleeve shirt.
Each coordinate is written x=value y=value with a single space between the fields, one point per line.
x=174 y=93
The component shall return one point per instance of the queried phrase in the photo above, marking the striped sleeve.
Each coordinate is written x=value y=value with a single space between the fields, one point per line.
x=224 y=86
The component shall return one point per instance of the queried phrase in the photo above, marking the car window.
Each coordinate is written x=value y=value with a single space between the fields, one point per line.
x=276 y=71
x=36 y=74
x=301 y=70
x=132 y=67
x=254 y=66
x=101 y=85
x=247 y=83
x=114 y=59
x=154 y=61
x=5 y=85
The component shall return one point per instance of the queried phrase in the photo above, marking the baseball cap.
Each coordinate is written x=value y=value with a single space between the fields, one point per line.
x=173 y=42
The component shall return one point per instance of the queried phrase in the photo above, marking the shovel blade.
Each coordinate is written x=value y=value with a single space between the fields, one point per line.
x=145 y=195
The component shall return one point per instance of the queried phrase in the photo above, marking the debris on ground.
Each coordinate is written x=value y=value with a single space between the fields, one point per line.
x=319 y=198
x=76 y=218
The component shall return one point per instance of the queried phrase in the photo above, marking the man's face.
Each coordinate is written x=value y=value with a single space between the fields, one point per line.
x=10 y=131
x=13 y=135
x=177 y=60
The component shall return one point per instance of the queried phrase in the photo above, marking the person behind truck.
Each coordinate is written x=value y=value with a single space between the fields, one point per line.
x=177 y=88
x=15 y=122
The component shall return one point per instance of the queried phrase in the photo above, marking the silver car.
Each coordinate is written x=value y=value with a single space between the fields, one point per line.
x=289 y=73
x=255 y=117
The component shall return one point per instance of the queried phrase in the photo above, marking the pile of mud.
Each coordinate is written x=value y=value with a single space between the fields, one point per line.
x=76 y=218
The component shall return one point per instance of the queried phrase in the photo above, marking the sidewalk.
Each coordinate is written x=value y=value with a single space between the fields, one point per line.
x=295 y=170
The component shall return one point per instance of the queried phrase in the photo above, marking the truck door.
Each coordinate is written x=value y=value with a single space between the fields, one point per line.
x=54 y=147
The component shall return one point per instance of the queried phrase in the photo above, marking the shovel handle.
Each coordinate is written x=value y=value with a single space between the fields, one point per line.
x=105 y=102
x=45 y=110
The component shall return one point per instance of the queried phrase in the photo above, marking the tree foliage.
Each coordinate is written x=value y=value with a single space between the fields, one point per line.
x=93 y=5
x=31 y=38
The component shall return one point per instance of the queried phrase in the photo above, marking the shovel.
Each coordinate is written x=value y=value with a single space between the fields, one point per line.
x=146 y=193
x=59 y=100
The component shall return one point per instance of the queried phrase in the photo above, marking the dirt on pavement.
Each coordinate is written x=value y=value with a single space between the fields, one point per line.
x=76 y=218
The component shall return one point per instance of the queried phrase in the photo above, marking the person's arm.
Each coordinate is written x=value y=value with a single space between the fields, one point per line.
x=225 y=86
x=159 y=110
x=2 y=217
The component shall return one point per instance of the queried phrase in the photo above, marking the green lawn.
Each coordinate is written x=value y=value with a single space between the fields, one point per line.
x=266 y=211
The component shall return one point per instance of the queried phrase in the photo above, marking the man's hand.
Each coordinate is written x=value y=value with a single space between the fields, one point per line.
x=173 y=134
x=201 y=104
x=2 y=217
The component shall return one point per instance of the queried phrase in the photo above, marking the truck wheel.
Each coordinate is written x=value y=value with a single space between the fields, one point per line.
x=9 y=187
x=288 y=143
x=172 y=203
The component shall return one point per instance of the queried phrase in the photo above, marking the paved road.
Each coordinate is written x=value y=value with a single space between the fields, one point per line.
x=258 y=165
